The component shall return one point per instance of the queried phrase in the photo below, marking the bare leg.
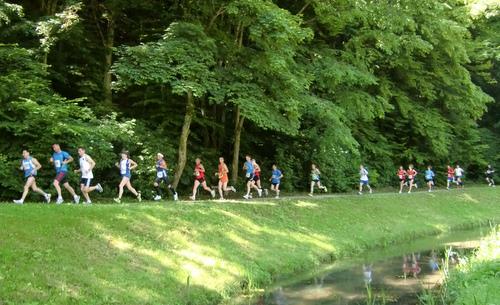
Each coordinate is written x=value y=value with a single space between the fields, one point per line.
x=85 y=193
x=220 y=189
x=58 y=188
x=131 y=188
x=35 y=188
x=69 y=188
x=27 y=186
x=120 y=187
x=205 y=187
x=195 y=188
x=312 y=187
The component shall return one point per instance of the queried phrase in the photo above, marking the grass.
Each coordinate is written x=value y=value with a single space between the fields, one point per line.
x=475 y=281
x=208 y=252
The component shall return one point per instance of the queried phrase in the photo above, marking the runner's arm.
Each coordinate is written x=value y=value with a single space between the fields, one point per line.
x=36 y=163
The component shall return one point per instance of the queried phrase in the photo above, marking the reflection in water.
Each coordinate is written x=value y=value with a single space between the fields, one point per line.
x=394 y=283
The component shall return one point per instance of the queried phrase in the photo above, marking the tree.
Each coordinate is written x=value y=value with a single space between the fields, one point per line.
x=183 y=60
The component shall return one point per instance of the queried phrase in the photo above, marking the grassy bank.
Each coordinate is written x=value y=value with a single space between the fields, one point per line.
x=206 y=252
x=476 y=281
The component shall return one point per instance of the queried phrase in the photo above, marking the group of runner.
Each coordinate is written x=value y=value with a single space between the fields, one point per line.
x=60 y=159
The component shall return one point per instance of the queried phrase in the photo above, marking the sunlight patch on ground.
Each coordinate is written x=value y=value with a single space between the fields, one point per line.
x=306 y=204
x=468 y=197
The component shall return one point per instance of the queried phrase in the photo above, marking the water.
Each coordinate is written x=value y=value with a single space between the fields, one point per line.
x=392 y=275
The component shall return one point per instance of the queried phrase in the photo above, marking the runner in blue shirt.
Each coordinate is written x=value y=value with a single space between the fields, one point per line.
x=30 y=167
x=276 y=180
x=429 y=177
x=126 y=165
x=249 y=175
x=60 y=159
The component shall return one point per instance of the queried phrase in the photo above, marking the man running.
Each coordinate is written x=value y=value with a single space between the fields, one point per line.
x=249 y=175
x=276 y=180
x=450 y=176
x=363 y=180
x=222 y=174
x=60 y=159
x=315 y=179
x=162 y=177
x=199 y=179
x=126 y=165
x=30 y=166
x=489 y=176
x=459 y=173
x=410 y=174
x=402 y=178
x=87 y=164
x=429 y=177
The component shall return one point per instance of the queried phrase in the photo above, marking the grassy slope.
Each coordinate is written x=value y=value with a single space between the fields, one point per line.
x=477 y=282
x=144 y=254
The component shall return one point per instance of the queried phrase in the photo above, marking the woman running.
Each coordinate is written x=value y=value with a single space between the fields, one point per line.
x=126 y=165
x=256 y=177
x=411 y=173
x=402 y=178
x=30 y=167
x=223 y=179
x=199 y=179
x=315 y=180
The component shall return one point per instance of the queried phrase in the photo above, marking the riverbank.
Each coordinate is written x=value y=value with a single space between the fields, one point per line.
x=475 y=280
x=207 y=252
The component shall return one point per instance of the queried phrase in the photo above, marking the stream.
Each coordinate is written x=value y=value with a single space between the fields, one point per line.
x=392 y=275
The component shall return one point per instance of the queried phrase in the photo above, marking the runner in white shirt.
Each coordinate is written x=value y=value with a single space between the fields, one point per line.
x=86 y=167
x=363 y=180
x=459 y=172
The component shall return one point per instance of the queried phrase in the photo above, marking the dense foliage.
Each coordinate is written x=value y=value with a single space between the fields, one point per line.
x=291 y=82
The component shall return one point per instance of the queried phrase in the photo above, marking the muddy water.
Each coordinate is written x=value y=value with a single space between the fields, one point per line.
x=392 y=275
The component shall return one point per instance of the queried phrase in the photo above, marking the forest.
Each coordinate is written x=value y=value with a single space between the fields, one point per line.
x=331 y=82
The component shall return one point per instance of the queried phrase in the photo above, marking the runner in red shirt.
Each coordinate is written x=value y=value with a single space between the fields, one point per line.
x=199 y=179
x=451 y=176
x=410 y=174
x=402 y=178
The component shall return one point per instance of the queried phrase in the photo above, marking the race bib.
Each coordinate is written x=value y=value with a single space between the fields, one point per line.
x=159 y=174
x=57 y=163
x=248 y=175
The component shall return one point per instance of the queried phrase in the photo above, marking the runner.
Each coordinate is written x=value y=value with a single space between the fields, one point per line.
x=30 y=167
x=276 y=180
x=459 y=173
x=410 y=174
x=363 y=173
x=451 y=176
x=402 y=178
x=256 y=176
x=86 y=167
x=489 y=176
x=315 y=179
x=162 y=177
x=223 y=179
x=429 y=177
x=126 y=165
x=249 y=175
x=199 y=179
x=60 y=159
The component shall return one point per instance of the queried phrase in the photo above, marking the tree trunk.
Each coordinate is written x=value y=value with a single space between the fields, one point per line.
x=238 y=127
x=108 y=61
x=182 y=152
